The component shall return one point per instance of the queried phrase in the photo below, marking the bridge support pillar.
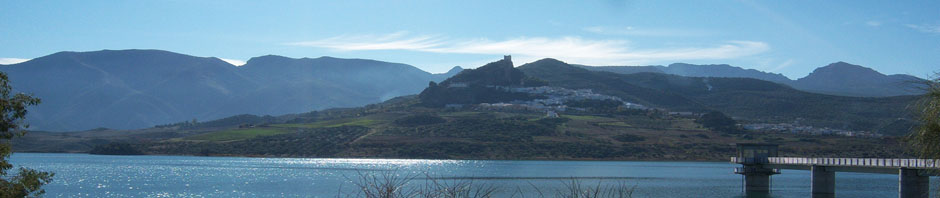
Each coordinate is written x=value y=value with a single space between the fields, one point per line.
x=757 y=178
x=911 y=184
x=824 y=182
x=757 y=182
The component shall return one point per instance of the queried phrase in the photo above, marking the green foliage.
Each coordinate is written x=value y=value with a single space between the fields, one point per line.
x=418 y=120
x=237 y=134
x=926 y=136
x=584 y=117
x=718 y=121
x=331 y=123
x=529 y=81
x=318 y=142
x=13 y=109
x=483 y=129
x=615 y=124
x=439 y=96
x=244 y=120
x=28 y=182
x=605 y=106
x=553 y=121
x=628 y=138
x=115 y=148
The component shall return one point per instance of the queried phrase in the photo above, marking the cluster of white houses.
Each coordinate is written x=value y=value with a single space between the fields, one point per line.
x=555 y=100
x=556 y=97
x=803 y=129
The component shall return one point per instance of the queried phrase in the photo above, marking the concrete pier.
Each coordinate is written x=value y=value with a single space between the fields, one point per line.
x=824 y=182
x=911 y=184
x=760 y=161
x=757 y=182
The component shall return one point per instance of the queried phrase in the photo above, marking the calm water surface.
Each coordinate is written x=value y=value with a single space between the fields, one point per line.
x=81 y=175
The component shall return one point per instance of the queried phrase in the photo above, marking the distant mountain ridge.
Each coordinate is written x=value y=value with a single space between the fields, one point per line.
x=126 y=89
x=837 y=78
x=748 y=98
x=842 y=78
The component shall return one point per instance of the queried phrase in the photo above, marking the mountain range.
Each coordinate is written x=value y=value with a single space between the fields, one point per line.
x=838 y=78
x=127 y=89
x=749 y=99
x=547 y=109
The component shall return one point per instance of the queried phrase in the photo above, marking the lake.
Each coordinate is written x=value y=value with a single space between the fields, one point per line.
x=82 y=175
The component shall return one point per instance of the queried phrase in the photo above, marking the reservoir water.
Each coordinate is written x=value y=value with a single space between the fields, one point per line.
x=82 y=175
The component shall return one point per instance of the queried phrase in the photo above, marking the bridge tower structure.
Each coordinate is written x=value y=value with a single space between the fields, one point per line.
x=753 y=157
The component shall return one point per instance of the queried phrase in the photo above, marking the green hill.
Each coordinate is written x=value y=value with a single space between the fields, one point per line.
x=744 y=98
x=596 y=129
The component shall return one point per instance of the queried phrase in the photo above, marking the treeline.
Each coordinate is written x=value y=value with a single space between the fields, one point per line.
x=320 y=142
x=481 y=129
x=115 y=148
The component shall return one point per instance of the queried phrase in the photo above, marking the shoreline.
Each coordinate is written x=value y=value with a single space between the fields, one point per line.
x=364 y=158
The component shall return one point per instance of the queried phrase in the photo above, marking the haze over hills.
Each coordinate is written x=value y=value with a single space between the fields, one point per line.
x=540 y=110
x=838 y=78
x=127 y=89
x=747 y=98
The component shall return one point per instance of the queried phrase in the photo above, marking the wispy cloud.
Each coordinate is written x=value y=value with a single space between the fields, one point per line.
x=8 y=61
x=873 y=23
x=925 y=28
x=394 y=41
x=782 y=65
x=233 y=61
x=636 y=31
x=572 y=49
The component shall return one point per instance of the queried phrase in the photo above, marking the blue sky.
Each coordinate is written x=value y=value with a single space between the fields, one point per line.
x=788 y=37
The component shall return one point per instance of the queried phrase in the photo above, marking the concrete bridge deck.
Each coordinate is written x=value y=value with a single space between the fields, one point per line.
x=924 y=167
x=760 y=161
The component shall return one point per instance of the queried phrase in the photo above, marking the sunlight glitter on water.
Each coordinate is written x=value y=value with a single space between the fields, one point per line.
x=81 y=175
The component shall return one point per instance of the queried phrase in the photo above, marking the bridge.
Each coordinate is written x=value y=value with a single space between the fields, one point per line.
x=760 y=161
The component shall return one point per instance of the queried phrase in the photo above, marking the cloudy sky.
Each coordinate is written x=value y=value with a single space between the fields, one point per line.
x=788 y=37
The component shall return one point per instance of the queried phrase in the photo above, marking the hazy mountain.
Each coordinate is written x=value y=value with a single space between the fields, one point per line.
x=452 y=72
x=837 y=79
x=124 y=89
x=625 y=69
x=684 y=69
x=744 y=97
x=141 y=88
x=847 y=79
x=300 y=85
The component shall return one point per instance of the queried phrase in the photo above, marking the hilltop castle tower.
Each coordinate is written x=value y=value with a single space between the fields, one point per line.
x=507 y=57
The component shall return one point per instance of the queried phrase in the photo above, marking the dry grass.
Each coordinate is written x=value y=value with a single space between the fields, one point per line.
x=390 y=185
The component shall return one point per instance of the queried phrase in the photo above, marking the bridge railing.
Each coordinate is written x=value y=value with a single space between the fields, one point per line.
x=870 y=162
x=744 y=160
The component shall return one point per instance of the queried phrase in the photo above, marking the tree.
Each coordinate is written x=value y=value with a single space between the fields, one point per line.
x=27 y=182
x=926 y=136
x=717 y=121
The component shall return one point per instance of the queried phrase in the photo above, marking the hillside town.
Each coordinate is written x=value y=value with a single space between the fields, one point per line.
x=796 y=128
x=554 y=101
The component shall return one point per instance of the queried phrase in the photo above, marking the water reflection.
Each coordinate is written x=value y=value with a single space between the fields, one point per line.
x=79 y=175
